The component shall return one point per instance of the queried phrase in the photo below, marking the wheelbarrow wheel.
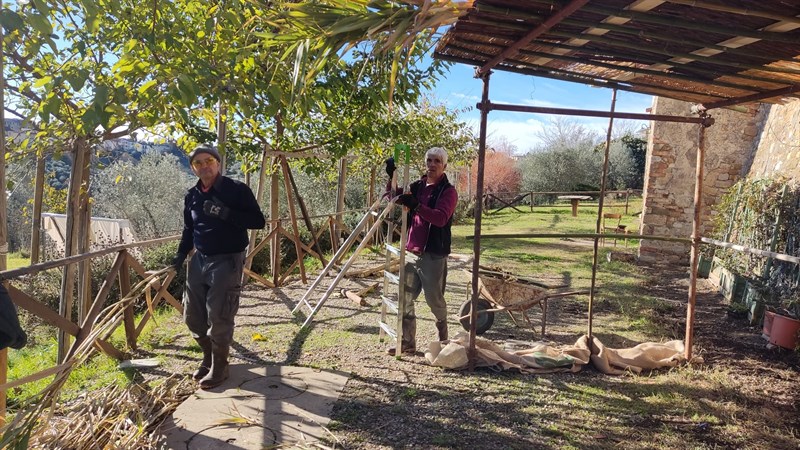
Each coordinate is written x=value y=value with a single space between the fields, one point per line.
x=484 y=320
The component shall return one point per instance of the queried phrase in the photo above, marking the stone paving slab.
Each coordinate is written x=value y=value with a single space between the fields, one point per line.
x=257 y=407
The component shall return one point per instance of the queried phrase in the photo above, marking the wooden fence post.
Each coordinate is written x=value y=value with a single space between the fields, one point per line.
x=124 y=289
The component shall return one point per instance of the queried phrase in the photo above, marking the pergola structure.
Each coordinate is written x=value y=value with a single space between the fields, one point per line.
x=711 y=53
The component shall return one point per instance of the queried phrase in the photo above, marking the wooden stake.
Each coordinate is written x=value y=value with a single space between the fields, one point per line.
x=36 y=226
x=70 y=239
x=293 y=216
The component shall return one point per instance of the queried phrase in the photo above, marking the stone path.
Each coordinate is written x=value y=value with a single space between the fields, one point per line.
x=257 y=407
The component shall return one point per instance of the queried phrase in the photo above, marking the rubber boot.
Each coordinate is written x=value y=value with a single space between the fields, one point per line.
x=409 y=343
x=441 y=327
x=219 y=367
x=205 y=366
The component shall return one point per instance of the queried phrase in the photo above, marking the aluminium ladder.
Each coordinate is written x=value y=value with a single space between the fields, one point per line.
x=313 y=308
x=390 y=303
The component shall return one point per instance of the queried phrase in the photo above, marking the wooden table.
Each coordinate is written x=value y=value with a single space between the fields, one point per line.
x=574 y=199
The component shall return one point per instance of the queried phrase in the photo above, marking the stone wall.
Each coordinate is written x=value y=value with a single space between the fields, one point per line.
x=668 y=208
x=777 y=150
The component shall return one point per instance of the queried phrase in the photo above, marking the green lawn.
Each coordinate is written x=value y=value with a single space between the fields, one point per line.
x=16 y=260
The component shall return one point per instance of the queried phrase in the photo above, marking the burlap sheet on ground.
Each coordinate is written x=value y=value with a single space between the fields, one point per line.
x=542 y=358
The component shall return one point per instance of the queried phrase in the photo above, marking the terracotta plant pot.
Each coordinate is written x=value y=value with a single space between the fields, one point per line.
x=784 y=332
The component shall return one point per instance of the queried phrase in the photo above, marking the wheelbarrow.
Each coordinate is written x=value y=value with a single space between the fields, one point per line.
x=502 y=291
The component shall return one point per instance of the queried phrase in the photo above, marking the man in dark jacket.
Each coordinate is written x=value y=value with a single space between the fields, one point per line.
x=11 y=334
x=217 y=213
x=431 y=203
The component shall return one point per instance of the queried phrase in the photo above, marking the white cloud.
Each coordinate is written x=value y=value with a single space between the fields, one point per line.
x=522 y=134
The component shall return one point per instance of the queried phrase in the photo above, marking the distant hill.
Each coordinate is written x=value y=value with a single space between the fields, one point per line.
x=110 y=152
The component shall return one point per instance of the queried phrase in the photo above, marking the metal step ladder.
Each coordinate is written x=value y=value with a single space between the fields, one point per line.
x=312 y=307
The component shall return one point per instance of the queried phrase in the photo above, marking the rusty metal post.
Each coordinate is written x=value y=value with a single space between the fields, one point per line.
x=694 y=255
x=476 y=243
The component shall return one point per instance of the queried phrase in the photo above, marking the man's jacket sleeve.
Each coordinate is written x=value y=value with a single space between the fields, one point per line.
x=11 y=334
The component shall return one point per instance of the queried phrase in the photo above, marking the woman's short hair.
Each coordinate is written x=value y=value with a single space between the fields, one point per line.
x=438 y=151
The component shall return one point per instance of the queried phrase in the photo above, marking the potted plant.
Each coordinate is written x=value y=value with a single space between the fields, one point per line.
x=756 y=298
x=784 y=329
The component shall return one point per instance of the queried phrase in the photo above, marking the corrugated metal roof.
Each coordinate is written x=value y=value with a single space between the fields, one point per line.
x=692 y=50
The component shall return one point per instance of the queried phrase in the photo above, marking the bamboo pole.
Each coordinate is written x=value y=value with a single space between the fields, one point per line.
x=478 y=216
x=775 y=230
x=3 y=218
x=36 y=268
x=293 y=216
x=694 y=255
x=222 y=134
x=274 y=215
x=598 y=224
x=402 y=298
x=752 y=251
x=36 y=226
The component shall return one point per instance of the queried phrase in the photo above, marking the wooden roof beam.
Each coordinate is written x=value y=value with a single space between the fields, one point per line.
x=735 y=10
x=750 y=98
x=552 y=21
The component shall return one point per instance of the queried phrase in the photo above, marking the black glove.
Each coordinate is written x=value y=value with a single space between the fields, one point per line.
x=177 y=261
x=408 y=200
x=390 y=167
x=216 y=209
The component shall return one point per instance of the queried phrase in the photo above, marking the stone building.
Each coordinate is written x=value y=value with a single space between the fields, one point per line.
x=752 y=141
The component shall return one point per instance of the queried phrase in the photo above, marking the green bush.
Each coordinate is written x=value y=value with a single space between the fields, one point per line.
x=158 y=257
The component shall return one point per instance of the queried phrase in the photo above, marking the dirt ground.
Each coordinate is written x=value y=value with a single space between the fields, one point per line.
x=743 y=395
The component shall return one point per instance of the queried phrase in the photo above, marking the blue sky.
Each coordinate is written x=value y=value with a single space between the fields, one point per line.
x=459 y=89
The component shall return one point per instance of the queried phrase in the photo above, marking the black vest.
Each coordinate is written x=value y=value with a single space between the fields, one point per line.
x=439 y=238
